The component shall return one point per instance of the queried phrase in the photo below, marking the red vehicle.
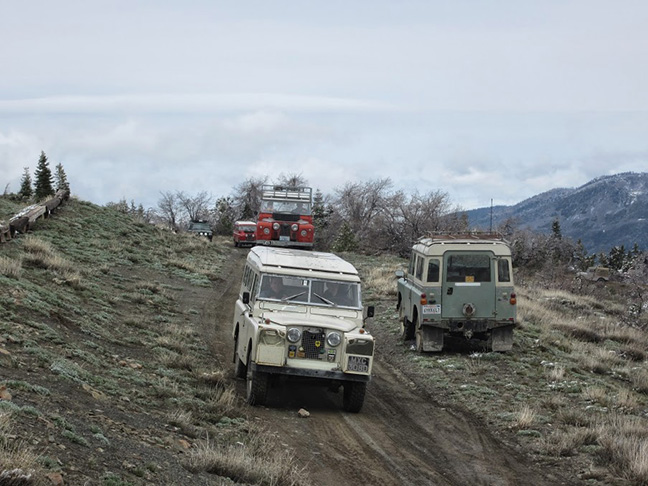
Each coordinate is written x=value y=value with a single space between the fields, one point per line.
x=285 y=217
x=244 y=233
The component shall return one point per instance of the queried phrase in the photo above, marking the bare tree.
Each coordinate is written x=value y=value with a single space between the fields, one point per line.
x=405 y=218
x=358 y=204
x=196 y=207
x=291 y=180
x=246 y=199
x=170 y=209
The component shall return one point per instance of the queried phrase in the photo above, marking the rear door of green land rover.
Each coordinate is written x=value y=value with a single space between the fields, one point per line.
x=468 y=288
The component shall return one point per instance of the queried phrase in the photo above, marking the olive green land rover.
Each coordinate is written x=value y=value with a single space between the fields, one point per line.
x=458 y=285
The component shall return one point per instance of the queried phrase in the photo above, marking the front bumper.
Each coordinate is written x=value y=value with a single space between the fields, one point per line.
x=310 y=373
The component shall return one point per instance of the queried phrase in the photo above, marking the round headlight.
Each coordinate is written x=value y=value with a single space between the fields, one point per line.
x=293 y=334
x=266 y=231
x=334 y=339
x=275 y=226
x=304 y=232
x=294 y=227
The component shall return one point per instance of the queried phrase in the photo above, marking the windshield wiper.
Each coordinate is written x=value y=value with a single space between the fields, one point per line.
x=293 y=296
x=324 y=299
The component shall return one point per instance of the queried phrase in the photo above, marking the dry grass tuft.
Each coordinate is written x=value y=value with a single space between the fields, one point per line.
x=596 y=394
x=525 y=417
x=556 y=374
x=566 y=442
x=258 y=461
x=10 y=268
x=14 y=456
x=223 y=402
x=640 y=381
x=174 y=360
x=381 y=280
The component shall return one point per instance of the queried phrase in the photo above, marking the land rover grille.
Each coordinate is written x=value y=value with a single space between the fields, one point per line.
x=313 y=343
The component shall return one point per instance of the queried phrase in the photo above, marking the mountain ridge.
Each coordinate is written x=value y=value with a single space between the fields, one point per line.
x=605 y=212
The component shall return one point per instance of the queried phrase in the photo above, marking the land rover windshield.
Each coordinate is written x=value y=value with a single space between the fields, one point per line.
x=293 y=207
x=319 y=292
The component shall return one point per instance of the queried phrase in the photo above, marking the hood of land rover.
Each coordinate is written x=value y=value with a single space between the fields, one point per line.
x=338 y=323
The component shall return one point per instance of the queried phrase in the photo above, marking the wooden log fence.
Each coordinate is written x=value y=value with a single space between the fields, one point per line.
x=22 y=222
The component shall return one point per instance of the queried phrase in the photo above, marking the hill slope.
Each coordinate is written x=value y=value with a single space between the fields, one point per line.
x=606 y=212
x=115 y=355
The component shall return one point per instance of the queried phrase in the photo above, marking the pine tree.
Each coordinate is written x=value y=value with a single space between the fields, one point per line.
x=61 y=179
x=346 y=239
x=26 y=190
x=43 y=177
x=555 y=230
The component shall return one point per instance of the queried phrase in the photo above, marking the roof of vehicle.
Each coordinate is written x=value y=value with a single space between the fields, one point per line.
x=442 y=242
x=288 y=260
x=245 y=223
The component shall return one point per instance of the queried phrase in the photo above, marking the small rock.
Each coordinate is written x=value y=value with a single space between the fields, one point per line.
x=4 y=352
x=4 y=394
x=303 y=413
x=56 y=479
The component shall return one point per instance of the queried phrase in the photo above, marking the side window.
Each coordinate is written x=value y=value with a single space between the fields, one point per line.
x=246 y=277
x=411 y=264
x=254 y=286
x=503 y=270
x=433 y=270
x=419 y=267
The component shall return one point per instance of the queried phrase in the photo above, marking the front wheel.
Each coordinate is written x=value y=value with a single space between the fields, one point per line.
x=239 y=367
x=354 y=394
x=257 y=385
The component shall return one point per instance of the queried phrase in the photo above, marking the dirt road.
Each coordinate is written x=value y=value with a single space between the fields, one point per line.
x=402 y=435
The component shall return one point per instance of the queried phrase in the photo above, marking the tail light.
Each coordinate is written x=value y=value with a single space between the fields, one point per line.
x=423 y=299
x=513 y=299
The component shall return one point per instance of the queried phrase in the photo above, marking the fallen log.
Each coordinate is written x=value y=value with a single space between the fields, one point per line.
x=5 y=232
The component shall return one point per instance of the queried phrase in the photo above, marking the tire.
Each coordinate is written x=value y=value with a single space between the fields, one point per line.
x=354 y=394
x=257 y=384
x=418 y=334
x=406 y=327
x=239 y=368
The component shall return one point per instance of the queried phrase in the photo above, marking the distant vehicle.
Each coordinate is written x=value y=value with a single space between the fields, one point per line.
x=459 y=285
x=595 y=274
x=201 y=228
x=285 y=218
x=244 y=233
x=300 y=314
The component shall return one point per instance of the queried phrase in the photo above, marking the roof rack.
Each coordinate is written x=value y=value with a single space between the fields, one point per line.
x=467 y=235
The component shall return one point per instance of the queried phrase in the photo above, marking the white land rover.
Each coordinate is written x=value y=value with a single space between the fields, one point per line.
x=300 y=313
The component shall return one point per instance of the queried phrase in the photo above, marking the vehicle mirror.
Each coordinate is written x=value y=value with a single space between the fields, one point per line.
x=371 y=311
x=399 y=273
x=246 y=297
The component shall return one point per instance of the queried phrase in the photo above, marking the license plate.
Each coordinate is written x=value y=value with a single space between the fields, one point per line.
x=284 y=238
x=358 y=364
x=432 y=309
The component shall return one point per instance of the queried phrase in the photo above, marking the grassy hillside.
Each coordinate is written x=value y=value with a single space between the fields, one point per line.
x=574 y=389
x=106 y=369
x=111 y=373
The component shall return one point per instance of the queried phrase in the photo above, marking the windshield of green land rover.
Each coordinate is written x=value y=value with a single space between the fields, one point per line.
x=301 y=290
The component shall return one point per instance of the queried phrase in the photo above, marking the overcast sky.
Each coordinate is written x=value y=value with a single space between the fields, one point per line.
x=483 y=100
